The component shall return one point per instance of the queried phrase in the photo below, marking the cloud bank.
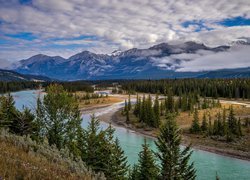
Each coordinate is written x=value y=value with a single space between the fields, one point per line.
x=65 y=27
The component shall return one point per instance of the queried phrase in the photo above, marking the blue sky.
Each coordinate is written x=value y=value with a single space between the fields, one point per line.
x=61 y=27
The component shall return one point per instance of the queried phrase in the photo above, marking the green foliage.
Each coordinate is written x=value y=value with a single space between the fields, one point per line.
x=147 y=168
x=228 y=88
x=8 y=112
x=174 y=162
x=204 y=125
x=102 y=152
x=58 y=117
x=195 y=127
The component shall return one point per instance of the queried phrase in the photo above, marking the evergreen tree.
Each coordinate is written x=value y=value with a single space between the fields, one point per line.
x=119 y=163
x=170 y=101
x=125 y=107
x=93 y=146
x=127 y=117
x=195 y=127
x=239 y=132
x=8 y=112
x=224 y=123
x=232 y=122
x=174 y=162
x=23 y=123
x=204 y=125
x=129 y=103
x=134 y=173
x=156 y=112
x=137 y=106
x=150 y=116
x=147 y=168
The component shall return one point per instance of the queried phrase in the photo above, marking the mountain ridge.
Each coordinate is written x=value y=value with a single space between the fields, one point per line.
x=130 y=64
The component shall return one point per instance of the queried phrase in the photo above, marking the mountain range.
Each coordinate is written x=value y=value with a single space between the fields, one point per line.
x=131 y=64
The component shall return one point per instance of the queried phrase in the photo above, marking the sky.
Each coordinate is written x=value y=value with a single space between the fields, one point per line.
x=66 y=27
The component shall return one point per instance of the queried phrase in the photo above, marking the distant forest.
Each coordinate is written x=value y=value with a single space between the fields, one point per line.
x=69 y=86
x=227 y=88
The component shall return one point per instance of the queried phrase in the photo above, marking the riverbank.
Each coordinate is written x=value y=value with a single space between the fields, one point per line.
x=197 y=142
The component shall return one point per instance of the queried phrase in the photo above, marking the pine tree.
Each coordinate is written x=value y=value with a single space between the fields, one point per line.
x=174 y=162
x=170 y=101
x=239 y=132
x=195 y=127
x=134 y=173
x=156 y=112
x=224 y=123
x=8 y=112
x=210 y=127
x=93 y=146
x=23 y=124
x=137 y=106
x=150 y=116
x=204 y=125
x=147 y=168
x=232 y=122
x=129 y=103
x=125 y=107
x=127 y=117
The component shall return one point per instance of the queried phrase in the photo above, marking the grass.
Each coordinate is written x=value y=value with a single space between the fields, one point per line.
x=21 y=158
x=86 y=103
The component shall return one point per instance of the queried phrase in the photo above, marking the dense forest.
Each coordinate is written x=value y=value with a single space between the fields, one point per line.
x=228 y=88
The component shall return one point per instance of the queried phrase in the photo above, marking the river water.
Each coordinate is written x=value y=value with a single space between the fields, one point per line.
x=206 y=163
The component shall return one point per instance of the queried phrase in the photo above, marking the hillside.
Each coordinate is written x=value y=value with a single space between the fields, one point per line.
x=21 y=158
x=6 y=75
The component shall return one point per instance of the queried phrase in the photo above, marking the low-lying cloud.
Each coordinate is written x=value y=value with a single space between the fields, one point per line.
x=236 y=57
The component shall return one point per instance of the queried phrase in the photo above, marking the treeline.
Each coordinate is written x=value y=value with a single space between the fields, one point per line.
x=18 y=86
x=77 y=86
x=227 y=88
x=223 y=125
x=23 y=85
x=57 y=120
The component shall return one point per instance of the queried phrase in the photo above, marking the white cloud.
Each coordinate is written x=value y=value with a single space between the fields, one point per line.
x=4 y=64
x=236 y=57
x=122 y=24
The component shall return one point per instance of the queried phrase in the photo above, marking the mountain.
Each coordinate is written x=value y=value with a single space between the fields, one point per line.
x=152 y=63
x=6 y=75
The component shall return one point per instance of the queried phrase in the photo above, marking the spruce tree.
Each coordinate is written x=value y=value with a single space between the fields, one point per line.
x=93 y=146
x=174 y=162
x=127 y=117
x=224 y=123
x=137 y=106
x=23 y=124
x=8 y=112
x=147 y=168
x=239 y=132
x=125 y=107
x=129 y=103
x=156 y=112
x=195 y=127
x=204 y=125
x=232 y=122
